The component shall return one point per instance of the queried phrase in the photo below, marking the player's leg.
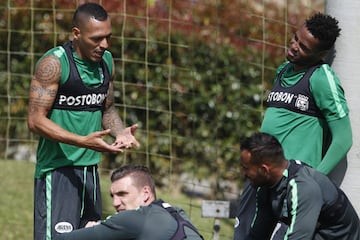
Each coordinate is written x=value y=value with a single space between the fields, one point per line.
x=40 y=220
x=92 y=207
x=66 y=202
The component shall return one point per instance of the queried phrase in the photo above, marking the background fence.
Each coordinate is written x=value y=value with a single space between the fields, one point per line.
x=192 y=73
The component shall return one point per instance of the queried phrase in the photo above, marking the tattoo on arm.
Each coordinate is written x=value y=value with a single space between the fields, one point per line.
x=111 y=120
x=43 y=92
x=44 y=85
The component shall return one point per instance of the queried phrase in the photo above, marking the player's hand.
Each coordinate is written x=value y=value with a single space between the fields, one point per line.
x=92 y=223
x=126 y=138
x=96 y=142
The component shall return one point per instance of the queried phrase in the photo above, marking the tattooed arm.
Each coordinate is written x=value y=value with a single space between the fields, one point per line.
x=43 y=89
x=111 y=120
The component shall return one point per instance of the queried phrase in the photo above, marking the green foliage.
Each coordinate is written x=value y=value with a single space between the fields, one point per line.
x=198 y=114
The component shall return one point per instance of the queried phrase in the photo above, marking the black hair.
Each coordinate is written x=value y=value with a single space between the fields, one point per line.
x=263 y=148
x=139 y=174
x=325 y=28
x=89 y=10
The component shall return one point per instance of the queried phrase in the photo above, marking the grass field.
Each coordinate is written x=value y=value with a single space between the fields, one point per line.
x=16 y=204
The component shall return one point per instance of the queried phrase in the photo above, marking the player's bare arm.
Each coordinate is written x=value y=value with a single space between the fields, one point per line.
x=124 y=137
x=43 y=89
x=111 y=120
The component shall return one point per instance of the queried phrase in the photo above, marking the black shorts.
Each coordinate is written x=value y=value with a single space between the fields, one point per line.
x=66 y=199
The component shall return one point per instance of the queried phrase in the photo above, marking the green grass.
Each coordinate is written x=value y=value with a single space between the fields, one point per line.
x=16 y=204
x=16 y=200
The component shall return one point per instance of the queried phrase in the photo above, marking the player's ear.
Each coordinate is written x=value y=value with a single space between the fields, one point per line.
x=76 y=32
x=146 y=192
x=264 y=168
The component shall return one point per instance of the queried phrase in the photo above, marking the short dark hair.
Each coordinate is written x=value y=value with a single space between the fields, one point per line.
x=325 y=28
x=263 y=148
x=139 y=174
x=89 y=10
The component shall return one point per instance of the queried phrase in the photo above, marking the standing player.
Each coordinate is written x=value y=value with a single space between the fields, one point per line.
x=71 y=100
x=318 y=110
x=307 y=110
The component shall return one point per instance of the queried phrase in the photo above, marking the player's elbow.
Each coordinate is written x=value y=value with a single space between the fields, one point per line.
x=32 y=123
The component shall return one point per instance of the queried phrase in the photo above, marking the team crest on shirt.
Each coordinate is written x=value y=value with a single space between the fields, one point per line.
x=302 y=102
x=237 y=222
x=63 y=227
